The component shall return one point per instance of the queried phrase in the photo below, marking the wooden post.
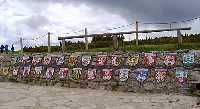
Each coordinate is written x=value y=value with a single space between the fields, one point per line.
x=63 y=45
x=179 y=35
x=49 y=42
x=21 y=44
x=136 y=33
x=115 y=42
x=86 y=40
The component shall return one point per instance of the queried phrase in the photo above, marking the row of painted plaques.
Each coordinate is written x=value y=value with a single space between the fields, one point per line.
x=141 y=74
x=148 y=60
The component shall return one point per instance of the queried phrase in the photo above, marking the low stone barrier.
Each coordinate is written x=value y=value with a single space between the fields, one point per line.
x=135 y=72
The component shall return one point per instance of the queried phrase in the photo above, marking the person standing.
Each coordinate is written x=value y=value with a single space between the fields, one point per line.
x=12 y=49
x=2 y=48
x=6 y=49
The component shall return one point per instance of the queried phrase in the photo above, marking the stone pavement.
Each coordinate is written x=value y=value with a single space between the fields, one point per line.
x=23 y=96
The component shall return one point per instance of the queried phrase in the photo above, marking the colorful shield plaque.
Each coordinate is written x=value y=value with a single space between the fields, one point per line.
x=38 y=71
x=49 y=73
x=76 y=73
x=36 y=60
x=107 y=74
x=26 y=71
x=47 y=60
x=86 y=60
x=15 y=71
x=123 y=74
x=25 y=59
x=73 y=60
x=101 y=60
x=188 y=59
x=91 y=74
x=63 y=73
x=116 y=60
x=181 y=75
x=142 y=74
x=5 y=71
x=133 y=60
x=170 y=60
x=60 y=60
x=149 y=59
x=161 y=74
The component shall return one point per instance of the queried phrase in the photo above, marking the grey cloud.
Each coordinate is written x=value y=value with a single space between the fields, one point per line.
x=35 y=22
x=152 y=10
x=143 y=10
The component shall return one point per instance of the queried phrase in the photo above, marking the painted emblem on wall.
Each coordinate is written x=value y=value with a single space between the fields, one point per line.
x=38 y=71
x=149 y=59
x=101 y=60
x=133 y=60
x=26 y=71
x=25 y=59
x=181 y=75
x=123 y=74
x=73 y=60
x=47 y=60
x=161 y=74
x=107 y=74
x=170 y=60
x=63 y=73
x=36 y=60
x=141 y=74
x=188 y=59
x=91 y=74
x=86 y=60
x=49 y=73
x=60 y=60
x=116 y=60
x=5 y=71
x=15 y=71
x=76 y=73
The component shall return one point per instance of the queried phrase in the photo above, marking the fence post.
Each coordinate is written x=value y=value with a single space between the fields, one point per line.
x=180 y=40
x=21 y=44
x=63 y=45
x=86 y=40
x=49 y=42
x=136 y=33
x=115 y=43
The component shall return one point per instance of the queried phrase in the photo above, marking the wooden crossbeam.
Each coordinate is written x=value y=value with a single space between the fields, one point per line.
x=121 y=33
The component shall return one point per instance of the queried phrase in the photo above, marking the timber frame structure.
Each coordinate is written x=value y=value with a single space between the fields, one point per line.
x=122 y=33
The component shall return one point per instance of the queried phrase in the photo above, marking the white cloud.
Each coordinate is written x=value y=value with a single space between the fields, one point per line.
x=26 y=20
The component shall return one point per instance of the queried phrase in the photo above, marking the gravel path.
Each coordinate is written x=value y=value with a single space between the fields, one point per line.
x=22 y=96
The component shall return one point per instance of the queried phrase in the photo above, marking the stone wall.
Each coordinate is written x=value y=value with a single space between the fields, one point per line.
x=135 y=72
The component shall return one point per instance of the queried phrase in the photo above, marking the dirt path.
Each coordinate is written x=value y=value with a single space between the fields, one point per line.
x=21 y=96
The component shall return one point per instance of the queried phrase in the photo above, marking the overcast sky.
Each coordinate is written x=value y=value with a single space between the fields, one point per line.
x=29 y=18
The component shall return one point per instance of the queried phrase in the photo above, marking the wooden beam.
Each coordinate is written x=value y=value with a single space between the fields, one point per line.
x=120 y=33
x=21 y=44
x=49 y=42
x=136 y=33
x=63 y=45
x=86 y=39
x=115 y=43
x=179 y=35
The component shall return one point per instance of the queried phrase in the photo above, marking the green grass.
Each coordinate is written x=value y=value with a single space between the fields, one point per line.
x=140 y=48
x=145 y=48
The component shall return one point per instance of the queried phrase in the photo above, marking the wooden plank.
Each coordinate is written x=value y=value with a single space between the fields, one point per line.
x=49 y=43
x=121 y=33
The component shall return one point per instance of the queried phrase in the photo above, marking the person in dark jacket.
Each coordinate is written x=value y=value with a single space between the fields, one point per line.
x=12 y=48
x=6 y=49
x=2 y=48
